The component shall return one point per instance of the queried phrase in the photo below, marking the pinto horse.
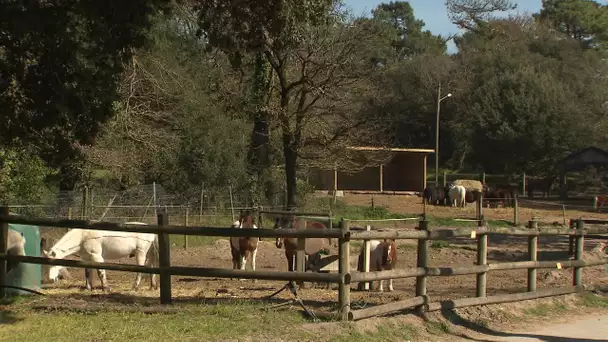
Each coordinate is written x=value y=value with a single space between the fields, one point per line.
x=383 y=256
x=313 y=246
x=244 y=247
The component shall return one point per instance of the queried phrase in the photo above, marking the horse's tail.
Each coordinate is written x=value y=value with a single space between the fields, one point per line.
x=155 y=260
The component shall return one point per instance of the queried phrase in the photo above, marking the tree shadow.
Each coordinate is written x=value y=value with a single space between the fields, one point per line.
x=458 y=320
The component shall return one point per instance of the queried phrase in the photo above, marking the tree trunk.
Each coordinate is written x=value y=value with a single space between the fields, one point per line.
x=291 y=157
x=259 y=152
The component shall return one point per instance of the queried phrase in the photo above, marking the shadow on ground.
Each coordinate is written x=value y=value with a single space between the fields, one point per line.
x=458 y=320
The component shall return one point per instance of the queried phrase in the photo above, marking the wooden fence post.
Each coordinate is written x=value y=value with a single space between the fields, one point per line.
x=479 y=207
x=301 y=252
x=482 y=259
x=164 y=249
x=3 y=247
x=571 y=241
x=523 y=185
x=344 y=269
x=422 y=262
x=580 y=246
x=515 y=209
x=533 y=253
x=69 y=213
x=186 y=225
x=483 y=178
x=365 y=286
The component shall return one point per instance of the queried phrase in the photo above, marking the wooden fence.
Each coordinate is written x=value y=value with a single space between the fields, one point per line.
x=344 y=277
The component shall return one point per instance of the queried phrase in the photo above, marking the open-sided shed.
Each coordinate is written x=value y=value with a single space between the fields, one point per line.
x=404 y=172
x=579 y=161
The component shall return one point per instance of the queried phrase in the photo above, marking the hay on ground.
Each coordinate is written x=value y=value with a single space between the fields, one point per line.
x=469 y=184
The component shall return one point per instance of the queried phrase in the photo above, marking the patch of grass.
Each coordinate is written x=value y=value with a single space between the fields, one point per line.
x=353 y=212
x=545 y=309
x=200 y=323
x=594 y=301
x=450 y=222
x=193 y=241
x=386 y=332
x=437 y=328
x=440 y=244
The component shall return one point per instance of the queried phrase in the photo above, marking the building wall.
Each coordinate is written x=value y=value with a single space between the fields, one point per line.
x=405 y=172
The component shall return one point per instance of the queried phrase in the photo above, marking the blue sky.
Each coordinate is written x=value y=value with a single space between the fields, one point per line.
x=434 y=14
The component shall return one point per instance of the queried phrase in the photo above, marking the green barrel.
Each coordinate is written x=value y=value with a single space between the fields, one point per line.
x=24 y=275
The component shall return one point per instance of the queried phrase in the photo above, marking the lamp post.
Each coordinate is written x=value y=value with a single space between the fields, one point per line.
x=439 y=99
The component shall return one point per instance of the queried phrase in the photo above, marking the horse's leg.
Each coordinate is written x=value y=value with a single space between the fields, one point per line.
x=390 y=285
x=88 y=279
x=381 y=288
x=101 y=273
x=140 y=259
x=243 y=261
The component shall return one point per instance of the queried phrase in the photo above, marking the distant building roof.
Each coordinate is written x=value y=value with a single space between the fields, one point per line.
x=578 y=161
x=391 y=149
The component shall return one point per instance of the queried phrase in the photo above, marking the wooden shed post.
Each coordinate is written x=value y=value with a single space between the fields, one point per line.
x=424 y=172
x=344 y=269
x=482 y=259
x=533 y=254
x=186 y=225
x=580 y=246
x=381 y=168
x=164 y=249
x=422 y=262
x=515 y=210
x=3 y=247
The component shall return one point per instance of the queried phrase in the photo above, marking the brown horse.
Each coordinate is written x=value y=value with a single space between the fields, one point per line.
x=244 y=247
x=382 y=256
x=313 y=246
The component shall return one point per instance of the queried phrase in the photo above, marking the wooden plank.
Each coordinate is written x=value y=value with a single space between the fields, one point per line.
x=384 y=309
x=169 y=229
x=417 y=272
x=292 y=213
x=344 y=286
x=3 y=249
x=500 y=299
x=81 y=264
x=533 y=256
x=164 y=247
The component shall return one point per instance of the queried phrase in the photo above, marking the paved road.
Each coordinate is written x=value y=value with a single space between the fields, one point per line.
x=587 y=329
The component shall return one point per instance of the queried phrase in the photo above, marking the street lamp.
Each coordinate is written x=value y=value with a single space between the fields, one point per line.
x=439 y=99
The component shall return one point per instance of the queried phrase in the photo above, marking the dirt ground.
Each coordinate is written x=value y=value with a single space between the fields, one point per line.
x=458 y=252
x=542 y=209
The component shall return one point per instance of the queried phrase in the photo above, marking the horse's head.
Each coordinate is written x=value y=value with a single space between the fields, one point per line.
x=283 y=222
x=57 y=272
x=389 y=252
x=247 y=220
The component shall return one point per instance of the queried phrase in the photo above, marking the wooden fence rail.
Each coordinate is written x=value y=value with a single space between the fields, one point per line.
x=345 y=277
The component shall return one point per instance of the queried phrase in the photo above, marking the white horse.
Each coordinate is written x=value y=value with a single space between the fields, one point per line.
x=457 y=195
x=15 y=246
x=98 y=245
